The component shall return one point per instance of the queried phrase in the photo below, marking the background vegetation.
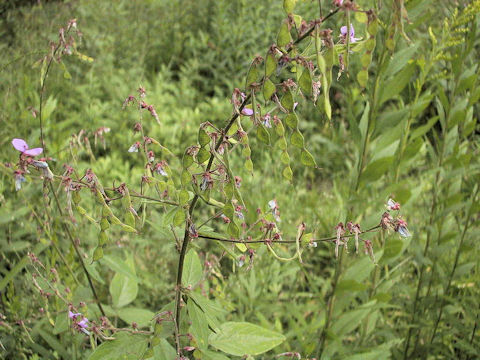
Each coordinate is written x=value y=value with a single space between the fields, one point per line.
x=411 y=134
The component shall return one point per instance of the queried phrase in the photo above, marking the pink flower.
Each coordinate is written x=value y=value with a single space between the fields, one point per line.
x=401 y=228
x=22 y=146
x=392 y=205
x=343 y=32
x=338 y=2
x=266 y=121
x=247 y=112
x=134 y=147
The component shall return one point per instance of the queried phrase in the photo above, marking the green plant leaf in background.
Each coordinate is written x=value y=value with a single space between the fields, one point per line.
x=192 y=271
x=124 y=347
x=243 y=338
x=124 y=289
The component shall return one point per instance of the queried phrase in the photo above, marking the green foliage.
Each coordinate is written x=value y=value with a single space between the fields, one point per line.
x=400 y=121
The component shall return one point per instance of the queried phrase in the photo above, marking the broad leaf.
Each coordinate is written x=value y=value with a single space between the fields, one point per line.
x=243 y=338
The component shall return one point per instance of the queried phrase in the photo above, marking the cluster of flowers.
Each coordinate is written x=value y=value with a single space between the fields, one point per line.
x=387 y=222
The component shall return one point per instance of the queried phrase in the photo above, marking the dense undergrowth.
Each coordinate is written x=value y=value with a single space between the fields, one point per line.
x=410 y=134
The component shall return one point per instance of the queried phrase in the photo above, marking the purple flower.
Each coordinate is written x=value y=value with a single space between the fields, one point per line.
x=343 y=32
x=401 y=228
x=247 y=112
x=83 y=323
x=22 y=146
x=272 y=204
x=73 y=315
x=266 y=121
x=19 y=179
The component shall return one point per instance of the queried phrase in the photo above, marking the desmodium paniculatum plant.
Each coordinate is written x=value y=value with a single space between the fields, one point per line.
x=223 y=241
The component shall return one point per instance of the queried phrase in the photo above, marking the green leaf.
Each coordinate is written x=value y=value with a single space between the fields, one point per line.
x=183 y=197
x=252 y=76
x=396 y=84
x=199 y=326
x=179 y=217
x=186 y=178
x=203 y=155
x=349 y=321
x=393 y=248
x=124 y=289
x=187 y=160
x=210 y=308
x=203 y=138
x=119 y=266
x=268 y=89
x=350 y=285
x=263 y=134
x=192 y=269
x=297 y=139
x=124 y=347
x=377 y=168
x=243 y=338
x=422 y=130
x=284 y=36
x=164 y=351
x=233 y=231
x=307 y=158
x=142 y=317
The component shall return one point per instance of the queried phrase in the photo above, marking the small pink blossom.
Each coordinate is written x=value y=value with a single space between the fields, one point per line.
x=22 y=146
x=392 y=205
x=401 y=228
x=343 y=32
x=247 y=112
x=266 y=121
x=134 y=147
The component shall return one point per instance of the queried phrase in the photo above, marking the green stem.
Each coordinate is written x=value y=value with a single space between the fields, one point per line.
x=186 y=237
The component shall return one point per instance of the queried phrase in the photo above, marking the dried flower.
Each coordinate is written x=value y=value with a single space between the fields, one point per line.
x=354 y=229
x=340 y=232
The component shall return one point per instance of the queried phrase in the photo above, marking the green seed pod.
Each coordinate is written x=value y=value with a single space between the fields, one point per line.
x=104 y=224
x=102 y=238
